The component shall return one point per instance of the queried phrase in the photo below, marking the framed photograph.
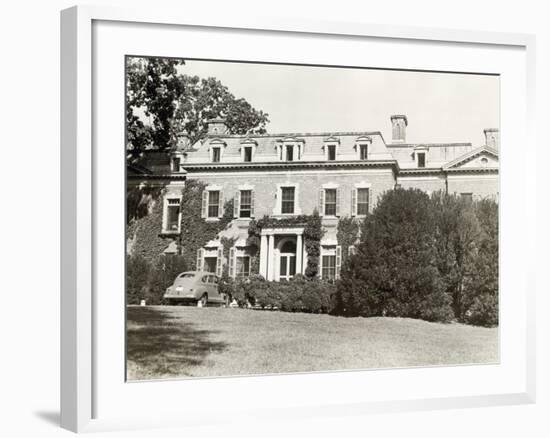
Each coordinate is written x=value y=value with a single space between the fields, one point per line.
x=329 y=226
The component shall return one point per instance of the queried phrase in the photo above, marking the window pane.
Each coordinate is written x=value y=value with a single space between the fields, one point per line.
x=246 y=203
x=215 y=155
x=289 y=153
x=363 y=151
x=213 y=203
x=330 y=202
x=332 y=153
x=287 y=200
x=421 y=160
x=248 y=154
x=329 y=267
x=362 y=201
x=173 y=216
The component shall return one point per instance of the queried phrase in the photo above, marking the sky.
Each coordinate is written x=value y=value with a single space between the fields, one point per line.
x=440 y=107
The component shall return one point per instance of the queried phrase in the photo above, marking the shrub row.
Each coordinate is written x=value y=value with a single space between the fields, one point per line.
x=297 y=295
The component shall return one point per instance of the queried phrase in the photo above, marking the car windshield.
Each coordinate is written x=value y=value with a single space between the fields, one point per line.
x=187 y=275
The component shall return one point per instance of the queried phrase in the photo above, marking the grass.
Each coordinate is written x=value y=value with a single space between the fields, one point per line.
x=169 y=342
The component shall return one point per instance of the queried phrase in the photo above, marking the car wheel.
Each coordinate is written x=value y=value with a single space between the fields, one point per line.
x=203 y=301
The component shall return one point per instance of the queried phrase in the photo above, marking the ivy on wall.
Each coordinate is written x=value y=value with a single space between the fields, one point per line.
x=313 y=233
x=143 y=233
x=195 y=230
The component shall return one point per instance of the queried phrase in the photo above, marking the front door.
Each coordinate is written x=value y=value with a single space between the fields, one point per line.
x=287 y=266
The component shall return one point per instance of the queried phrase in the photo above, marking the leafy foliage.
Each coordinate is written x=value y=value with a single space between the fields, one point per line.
x=195 y=230
x=297 y=295
x=137 y=275
x=174 y=102
x=431 y=258
x=163 y=275
x=143 y=232
x=394 y=272
x=313 y=233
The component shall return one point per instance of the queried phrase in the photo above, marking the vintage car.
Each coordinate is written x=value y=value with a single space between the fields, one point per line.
x=194 y=286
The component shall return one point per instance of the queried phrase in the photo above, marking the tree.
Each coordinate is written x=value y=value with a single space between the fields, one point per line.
x=172 y=102
x=458 y=231
x=394 y=272
x=481 y=286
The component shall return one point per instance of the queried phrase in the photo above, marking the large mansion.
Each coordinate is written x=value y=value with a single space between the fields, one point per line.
x=341 y=174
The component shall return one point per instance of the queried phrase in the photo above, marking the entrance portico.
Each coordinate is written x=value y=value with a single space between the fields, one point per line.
x=282 y=253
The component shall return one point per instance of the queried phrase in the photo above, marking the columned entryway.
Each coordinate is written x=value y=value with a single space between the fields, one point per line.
x=282 y=253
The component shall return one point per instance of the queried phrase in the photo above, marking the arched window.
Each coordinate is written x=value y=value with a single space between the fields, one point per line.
x=288 y=247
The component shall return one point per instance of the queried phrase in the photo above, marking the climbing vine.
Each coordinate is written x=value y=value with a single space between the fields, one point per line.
x=196 y=231
x=313 y=233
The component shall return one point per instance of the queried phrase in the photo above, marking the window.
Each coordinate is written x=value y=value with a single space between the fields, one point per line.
x=363 y=151
x=210 y=264
x=421 y=159
x=330 y=202
x=216 y=154
x=287 y=200
x=246 y=203
x=289 y=153
x=331 y=152
x=172 y=214
x=467 y=196
x=176 y=164
x=248 y=153
x=329 y=267
x=243 y=266
x=213 y=203
x=362 y=202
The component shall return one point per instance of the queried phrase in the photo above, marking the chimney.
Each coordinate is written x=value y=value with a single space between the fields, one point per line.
x=183 y=142
x=399 y=127
x=217 y=127
x=492 y=138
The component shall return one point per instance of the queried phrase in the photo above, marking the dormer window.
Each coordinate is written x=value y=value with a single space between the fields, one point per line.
x=331 y=152
x=176 y=161
x=216 y=154
x=363 y=152
x=289 y=153
x=247 y=154
x=421 y=159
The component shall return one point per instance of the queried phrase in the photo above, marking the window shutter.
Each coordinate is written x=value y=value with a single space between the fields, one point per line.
x=338 y=261
x=200 y=254
x=232 y=262
x=204 y=211
x=354 y=202
x=219 y=261
x=338 y=197
x=220 y=209
x=322 y=202
x=320 y=263
x=252 y=195
x=236 y=202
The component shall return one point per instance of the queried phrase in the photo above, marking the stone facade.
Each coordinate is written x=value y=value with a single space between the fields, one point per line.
x=338 y=174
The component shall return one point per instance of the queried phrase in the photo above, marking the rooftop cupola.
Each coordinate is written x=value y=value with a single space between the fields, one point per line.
x=399 y=127
x=217 y=126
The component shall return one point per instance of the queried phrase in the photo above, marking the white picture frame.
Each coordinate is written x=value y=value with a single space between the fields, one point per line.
x=82 y=370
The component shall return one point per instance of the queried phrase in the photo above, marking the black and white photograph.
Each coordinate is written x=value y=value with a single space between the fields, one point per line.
x=287 y=218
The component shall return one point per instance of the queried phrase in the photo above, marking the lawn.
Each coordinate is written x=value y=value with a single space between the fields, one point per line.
x=168 y=342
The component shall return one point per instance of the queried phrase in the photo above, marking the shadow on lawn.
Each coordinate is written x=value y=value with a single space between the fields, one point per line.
x=164 y=344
